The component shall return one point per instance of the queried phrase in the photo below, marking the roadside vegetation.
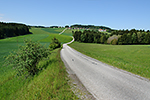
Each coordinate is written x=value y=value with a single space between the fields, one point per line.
x=132 y=58
x=49 y=83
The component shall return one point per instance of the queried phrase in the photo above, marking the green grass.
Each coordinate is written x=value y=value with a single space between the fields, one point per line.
x=51 y=83
x=132 y=58
x=9 y=83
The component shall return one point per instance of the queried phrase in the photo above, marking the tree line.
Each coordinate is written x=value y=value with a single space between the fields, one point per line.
x=117 y=37
x=12 y=30
x=128 y=37
x=88 y=36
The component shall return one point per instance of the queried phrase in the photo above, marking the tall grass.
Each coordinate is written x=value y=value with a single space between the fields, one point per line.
x=132 y=58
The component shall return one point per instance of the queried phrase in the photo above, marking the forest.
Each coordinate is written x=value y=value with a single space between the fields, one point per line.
x=128 y=37
x=116 y=37
x=12 y=30
x=88 y=36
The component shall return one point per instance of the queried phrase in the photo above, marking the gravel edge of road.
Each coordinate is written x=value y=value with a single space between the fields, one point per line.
x=77 y=87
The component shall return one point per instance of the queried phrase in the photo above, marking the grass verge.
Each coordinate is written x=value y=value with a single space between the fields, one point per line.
x=132 y=58
x=51 y=83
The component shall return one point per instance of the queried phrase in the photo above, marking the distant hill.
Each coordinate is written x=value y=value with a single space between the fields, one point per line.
x=91 y=27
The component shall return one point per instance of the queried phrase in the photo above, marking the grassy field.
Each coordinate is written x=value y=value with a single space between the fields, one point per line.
x=132 y=58
x=53 y=30
x=12 y=87
x=55 y=33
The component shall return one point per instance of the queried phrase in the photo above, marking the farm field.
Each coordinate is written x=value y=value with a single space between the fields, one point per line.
x=53 y=30
x=68 y=32
x=9 y=83
x=132 y=58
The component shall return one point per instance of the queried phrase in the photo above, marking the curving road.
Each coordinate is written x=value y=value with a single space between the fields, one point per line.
x=62 y=31
x=105 y=82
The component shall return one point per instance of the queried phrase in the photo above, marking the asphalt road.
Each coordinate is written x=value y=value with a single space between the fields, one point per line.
x=105 y=82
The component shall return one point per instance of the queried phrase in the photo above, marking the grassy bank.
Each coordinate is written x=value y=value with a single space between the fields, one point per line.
x=132 y=58
x=51 y=83
x=10 y=85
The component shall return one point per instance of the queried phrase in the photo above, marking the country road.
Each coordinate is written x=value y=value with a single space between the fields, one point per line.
x=105 y=82
x=62 y=31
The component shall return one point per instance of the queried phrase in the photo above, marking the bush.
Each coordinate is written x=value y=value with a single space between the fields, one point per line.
x=25 y=60
x=55 y=44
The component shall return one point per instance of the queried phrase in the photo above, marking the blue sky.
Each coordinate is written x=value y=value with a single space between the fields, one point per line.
x=116 y=14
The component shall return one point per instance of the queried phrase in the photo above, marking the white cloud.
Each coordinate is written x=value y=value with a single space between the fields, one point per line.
x=3 y=19
x=1 y=14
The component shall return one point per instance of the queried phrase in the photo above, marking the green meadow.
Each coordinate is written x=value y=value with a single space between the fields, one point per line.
x=132 y=58
x=51 y=83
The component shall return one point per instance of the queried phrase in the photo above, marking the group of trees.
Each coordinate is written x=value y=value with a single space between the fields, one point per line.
x=132 y=37
x=117 y=37
x=12 y=29
x=88 y=36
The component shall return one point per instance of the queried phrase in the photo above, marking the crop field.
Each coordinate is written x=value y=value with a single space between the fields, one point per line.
x=132 y=58
x=11 y=87
x=53 y=30
x=68 y=32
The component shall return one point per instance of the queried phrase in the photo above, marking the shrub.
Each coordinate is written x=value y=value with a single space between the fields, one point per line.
x=55 y=44
x=25 y=60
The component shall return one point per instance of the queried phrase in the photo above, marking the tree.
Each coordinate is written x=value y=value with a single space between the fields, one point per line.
x=134 y=38
x=55 y=44
x=139 y=35
x=103 y=39
x=82 y=38
x=66 y=26
x=129 y=38
x=90 y=38
x=120 y=41
x=147 y=38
